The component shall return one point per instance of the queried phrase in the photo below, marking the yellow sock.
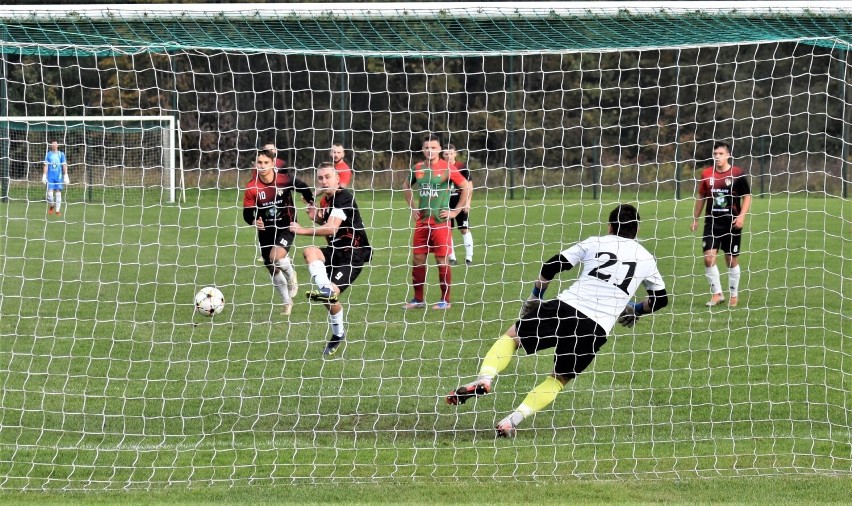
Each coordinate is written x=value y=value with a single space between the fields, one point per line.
x=541 y=396
x=498 y=357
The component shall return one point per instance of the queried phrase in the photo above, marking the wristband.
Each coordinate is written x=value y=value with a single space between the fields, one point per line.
x=538 y=292
x=638 y=308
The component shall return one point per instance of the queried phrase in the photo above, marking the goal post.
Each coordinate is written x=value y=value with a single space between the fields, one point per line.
x=560 y=110
x=113 y=154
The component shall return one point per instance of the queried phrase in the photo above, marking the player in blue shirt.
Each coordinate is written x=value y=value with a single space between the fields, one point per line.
x=55 y=176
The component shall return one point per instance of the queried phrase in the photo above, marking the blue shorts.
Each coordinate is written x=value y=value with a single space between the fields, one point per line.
x=58 y=186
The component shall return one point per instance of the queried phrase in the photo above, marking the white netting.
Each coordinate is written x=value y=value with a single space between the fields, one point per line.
x=109 y=381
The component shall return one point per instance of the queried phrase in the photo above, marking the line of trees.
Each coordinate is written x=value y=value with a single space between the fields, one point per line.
x=654 y=113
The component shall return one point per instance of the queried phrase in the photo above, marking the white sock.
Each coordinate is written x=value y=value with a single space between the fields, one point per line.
x=286 y=266
x=318 y=274
x=335 y=321
x=712 y=274
x=734 y=280
x=280 y=284
x=50 y=197
x=452 y=249
x=468 y=245
x=58 y=201
x=521 y=412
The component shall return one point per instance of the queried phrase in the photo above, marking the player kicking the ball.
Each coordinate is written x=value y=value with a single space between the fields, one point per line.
x=334 y=267
x=577 y=322
x=268 y=205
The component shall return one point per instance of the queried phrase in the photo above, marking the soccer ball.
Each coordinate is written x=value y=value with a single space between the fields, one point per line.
x=209 y=301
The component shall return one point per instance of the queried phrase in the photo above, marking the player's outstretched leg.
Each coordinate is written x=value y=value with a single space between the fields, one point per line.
x=539 y=398
x=499 y=357
x=476 y=388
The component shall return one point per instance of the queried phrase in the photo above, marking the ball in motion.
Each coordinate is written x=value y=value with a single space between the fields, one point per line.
x=209 y=301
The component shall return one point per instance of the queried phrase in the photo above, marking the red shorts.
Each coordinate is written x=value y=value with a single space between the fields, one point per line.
x=432 y=237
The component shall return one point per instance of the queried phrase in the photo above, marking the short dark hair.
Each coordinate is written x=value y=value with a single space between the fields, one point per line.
x=624 y=220
x=265 y=152
x=430 y=138
x=325 y=165
x=722 y=144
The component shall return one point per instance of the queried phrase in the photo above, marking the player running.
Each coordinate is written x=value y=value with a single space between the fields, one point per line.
x=335 y=267
x=578 y=321
x=268 y=205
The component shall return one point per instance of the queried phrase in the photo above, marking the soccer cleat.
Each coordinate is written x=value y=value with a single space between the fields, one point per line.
x=461 y=394
x=293 y=283
x=442 y=305
x=453 y=261
x=324 y=294
x=58 y=213
x=50 y=210
x=286 y=309
x=414 y=304
x=505 y=428
x=715 y=300
x=333 y=345
x=732 y=302
x=468 y=261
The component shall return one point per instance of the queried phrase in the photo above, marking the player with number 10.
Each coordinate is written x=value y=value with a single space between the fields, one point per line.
x=268 y=205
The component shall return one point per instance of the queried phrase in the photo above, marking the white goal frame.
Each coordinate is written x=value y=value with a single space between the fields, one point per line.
x=172 y=136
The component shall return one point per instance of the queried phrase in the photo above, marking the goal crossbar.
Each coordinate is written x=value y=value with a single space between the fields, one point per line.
x=172 y=135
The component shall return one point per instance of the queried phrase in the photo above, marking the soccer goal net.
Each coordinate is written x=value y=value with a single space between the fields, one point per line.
x=110 y=158
x=110 y=380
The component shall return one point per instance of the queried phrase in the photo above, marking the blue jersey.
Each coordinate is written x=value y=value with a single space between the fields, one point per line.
x=54 y=161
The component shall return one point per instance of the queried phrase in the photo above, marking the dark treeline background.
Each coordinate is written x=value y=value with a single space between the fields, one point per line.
x=624 y=117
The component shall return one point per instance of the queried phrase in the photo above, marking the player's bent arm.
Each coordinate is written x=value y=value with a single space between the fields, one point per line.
x=463 y=199
x=549 y=269
x=330 y=228
x=249 y=215
x=656 y=300
x=304 y=190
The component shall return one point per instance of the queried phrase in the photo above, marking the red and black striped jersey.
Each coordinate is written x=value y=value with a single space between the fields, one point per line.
x=351 y=233
x=273 y=202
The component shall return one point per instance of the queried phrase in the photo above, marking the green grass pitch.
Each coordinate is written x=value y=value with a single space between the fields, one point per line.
x=110 y=382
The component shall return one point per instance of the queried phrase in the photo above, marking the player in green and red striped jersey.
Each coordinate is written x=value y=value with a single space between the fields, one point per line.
x=431 y=212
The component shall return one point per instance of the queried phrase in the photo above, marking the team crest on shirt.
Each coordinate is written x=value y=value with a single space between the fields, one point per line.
x=418 y=174
x=279 y=192
x=729 y=181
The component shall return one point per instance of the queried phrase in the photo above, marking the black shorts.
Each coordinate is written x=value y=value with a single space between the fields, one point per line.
x=460 y=221
x=576 y=337
x=721 y=236
x=344 y=265
x=281 y=237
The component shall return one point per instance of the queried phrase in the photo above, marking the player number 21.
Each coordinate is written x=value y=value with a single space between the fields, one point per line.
x=610 y=261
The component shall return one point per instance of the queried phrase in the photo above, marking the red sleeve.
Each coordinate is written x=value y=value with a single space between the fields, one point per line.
x=279 y=163
x=704 y=185
x=345 y=174
x=250 y=197
x=457 y=178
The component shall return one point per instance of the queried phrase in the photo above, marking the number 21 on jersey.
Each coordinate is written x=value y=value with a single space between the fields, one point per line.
x=607 y=274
